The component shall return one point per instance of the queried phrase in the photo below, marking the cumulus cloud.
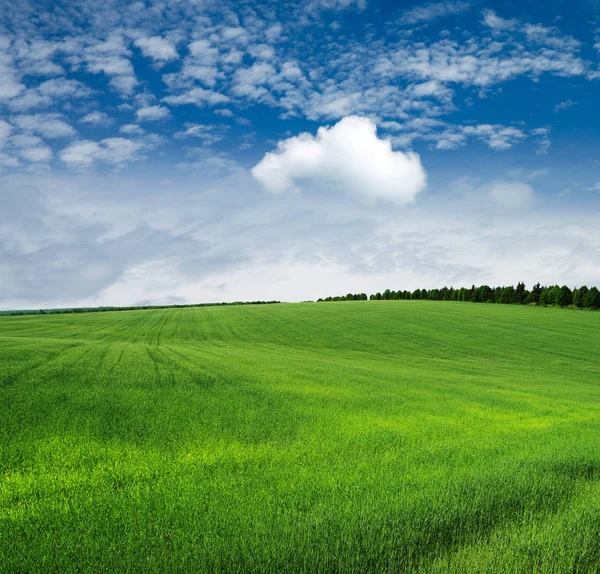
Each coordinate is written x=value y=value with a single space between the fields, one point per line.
x=47 y=125
x=199 y=97
x=349 y=156
x=96 y=118
x=31 y=148
x=131 y=129
x=10 y=86
x=152 y=113
x=5 y=130
x=111 y=57
x=110 y=150
x=498 y=137
x=157 y=48
x=61 y=87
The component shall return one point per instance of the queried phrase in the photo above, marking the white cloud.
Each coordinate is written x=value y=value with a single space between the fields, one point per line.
x=543 y=140
x=5 y=131
x=152 y=113
x=564 y=105
x=123 y=84
x=595 y=187
x=47 y=125
x=491 y=19
x=96 y=118
x=274 y=32
x=10 y=86
x=110 y=150
x=250 y=82
x=498 y=137
x=8 y=161
x=31 y=148
x=111 y=65
x=513 y=195
x=197 y=96
x=29 y=99
x=349 y=156
x=234 y=34
x=131 y=129
x=111 y=57
x=157 y=48
x=428 y=12
x=61 y=87
x=550 y=37
x=336 y=4
x=207 y=133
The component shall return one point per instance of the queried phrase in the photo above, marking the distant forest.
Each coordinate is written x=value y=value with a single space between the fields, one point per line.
x=554 y=295
x=130 y=308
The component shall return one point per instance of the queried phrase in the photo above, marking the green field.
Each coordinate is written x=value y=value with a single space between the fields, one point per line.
x=396 y=436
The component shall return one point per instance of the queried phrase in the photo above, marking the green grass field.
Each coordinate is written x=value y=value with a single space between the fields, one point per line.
x=396 y=436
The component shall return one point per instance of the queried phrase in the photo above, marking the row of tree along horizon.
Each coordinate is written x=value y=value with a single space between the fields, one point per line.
x=555 y=295
x=65 y=310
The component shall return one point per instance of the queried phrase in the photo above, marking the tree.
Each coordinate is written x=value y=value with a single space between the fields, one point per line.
x=535 y=294
x=592 y=298
x=579 y=296
x=507 y=295
x=519 y=293
x=563 y=296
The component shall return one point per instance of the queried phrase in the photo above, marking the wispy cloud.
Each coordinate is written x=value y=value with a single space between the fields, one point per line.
x=564 y=105
x=433 y=11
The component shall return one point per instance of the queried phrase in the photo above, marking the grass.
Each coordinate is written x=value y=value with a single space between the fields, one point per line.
x=383 y=436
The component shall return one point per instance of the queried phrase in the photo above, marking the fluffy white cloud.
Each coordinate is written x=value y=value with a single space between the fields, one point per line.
x=47 y=125
x=96 y=118
x=5 y=130
x=28 y=100
x=349 y=156
x=131 y=129
x=60 y=88
x=157 y=48
x=498 y=137
x=197 y=96
x=152 y=113
x=10 y=86
x=514 y=195
x=111 y=57
x=110 y=150
x=31 y=148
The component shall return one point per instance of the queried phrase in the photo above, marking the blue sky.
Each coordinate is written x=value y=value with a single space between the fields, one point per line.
x=182 y=151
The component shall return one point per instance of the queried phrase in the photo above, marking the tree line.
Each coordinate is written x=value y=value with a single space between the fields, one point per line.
x=552 y=295
x=128 y=308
